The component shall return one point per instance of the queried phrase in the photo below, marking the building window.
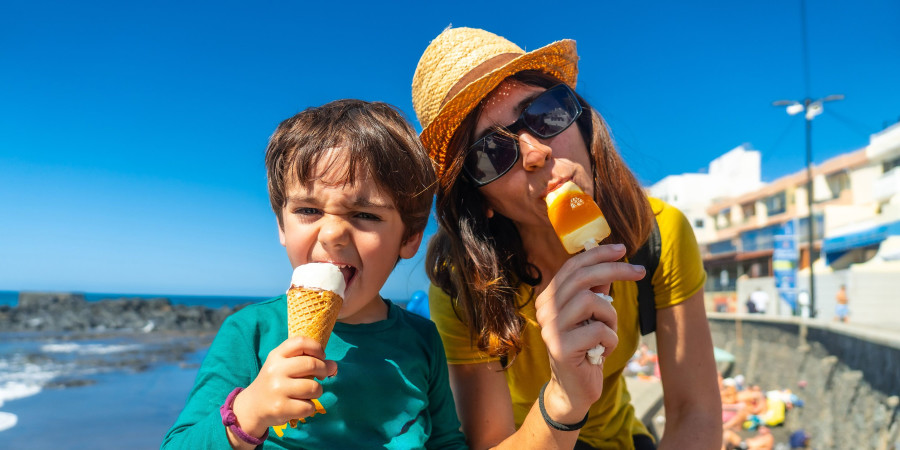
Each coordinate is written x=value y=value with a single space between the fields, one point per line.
x=837 y=183
x=749 y=211
x=888 y=165
x=723 y=219
x=776 y=204
x=726 y=246
x=698 y=223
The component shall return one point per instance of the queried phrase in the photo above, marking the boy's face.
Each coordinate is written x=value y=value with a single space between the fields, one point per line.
x=349 y=225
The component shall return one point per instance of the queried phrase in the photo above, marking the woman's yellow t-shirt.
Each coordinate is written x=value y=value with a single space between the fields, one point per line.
x=611 y=421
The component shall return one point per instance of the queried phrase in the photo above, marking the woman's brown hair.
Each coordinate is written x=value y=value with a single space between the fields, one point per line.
x=481 y=262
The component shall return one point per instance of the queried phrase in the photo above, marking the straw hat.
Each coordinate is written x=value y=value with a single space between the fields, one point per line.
x=461 y=66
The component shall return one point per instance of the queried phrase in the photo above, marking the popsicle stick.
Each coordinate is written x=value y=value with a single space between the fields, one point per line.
x=595 y=355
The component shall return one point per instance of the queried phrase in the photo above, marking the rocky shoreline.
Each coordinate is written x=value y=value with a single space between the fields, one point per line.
x=65 y=334
x=71 y=313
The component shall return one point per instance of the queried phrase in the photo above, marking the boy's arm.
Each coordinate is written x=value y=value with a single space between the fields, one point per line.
x=445 y=430
x=229 y=363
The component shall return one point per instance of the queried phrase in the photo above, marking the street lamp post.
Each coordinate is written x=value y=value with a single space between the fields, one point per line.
x=812 y=108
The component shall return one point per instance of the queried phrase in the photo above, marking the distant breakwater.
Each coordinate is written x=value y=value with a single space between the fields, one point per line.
x=49 y=312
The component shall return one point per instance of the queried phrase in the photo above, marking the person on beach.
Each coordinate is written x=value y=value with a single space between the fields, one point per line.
x=759 y=300
x=841 y=310
x=516 y=312
x=763 y=440
x=350 y=184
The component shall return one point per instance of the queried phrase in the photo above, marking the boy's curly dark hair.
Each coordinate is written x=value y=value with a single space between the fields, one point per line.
x=377 y=139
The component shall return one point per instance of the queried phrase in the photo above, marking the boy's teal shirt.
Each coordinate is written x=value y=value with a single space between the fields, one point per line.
x=391 y=389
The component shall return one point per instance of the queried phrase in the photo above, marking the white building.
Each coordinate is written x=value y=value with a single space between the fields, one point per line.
x=730 y=175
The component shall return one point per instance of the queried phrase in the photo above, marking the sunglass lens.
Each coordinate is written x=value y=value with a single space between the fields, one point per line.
x=491 y=157
x=552 y=112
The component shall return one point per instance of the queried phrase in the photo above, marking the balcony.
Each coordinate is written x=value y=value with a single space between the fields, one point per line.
x=887 y=185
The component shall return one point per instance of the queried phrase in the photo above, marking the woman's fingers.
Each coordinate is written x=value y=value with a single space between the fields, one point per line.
x=584 y=307
x=592 y=334
x=602 y=253
x=566 y=331
x=595 y=270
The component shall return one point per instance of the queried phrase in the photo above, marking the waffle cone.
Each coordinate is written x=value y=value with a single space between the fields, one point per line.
x=312 y=313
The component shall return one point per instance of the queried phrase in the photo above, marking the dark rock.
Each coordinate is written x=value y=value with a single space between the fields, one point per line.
x=68 y=383
x=70 y=312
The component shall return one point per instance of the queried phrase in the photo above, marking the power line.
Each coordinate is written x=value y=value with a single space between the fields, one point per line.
x=790 y=126
x=851 y=124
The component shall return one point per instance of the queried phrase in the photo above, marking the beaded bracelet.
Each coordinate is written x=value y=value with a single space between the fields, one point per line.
x=230 y=421
x=554 y=424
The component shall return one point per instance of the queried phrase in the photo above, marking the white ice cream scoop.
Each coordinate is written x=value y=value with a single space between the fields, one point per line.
x=324 y=276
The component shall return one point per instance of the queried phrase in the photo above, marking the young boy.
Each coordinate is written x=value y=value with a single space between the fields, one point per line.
x=350 y=185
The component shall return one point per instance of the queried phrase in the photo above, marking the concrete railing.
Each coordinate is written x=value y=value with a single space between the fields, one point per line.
x=851 y=374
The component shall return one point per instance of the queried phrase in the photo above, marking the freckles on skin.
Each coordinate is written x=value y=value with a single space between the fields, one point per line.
x=492 y=113
x=501 y=93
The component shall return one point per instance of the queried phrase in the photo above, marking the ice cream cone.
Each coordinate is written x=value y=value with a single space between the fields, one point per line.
x=312 y=313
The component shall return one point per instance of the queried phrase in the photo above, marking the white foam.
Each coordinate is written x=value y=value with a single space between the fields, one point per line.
x=12 y=390
x=70 y=347
x=88 y=349
x=7 y=420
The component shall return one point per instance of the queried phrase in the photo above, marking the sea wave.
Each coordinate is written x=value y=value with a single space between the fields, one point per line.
x=23 y=374
x=26 y=373
x=88 y=349
x=19 y=379
x=12 y=390
x=8 y=420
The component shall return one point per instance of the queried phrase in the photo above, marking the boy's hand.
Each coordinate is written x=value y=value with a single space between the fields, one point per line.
x=284 y=388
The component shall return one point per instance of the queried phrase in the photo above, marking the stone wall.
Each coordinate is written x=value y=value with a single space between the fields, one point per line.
x=851 y=375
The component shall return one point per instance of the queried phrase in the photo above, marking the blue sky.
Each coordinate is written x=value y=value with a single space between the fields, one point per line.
x=132 y=134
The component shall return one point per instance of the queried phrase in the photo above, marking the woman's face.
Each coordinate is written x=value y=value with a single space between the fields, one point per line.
x=543 y=163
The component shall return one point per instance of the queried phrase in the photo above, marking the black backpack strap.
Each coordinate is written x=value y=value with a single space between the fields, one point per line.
x=648 y=256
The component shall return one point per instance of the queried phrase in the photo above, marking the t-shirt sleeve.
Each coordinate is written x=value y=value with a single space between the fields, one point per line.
x=200 y=424
x=459 y=346
x=680 y=272
x=445 y=431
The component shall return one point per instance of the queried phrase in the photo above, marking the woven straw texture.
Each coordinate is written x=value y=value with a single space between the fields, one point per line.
x=312 y=313
x=456 y=52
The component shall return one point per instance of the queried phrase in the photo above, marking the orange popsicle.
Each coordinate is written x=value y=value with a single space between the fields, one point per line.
x=576 y=218
x=580 y=225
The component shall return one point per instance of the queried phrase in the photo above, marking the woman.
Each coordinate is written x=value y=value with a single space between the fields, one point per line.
x=515 y=311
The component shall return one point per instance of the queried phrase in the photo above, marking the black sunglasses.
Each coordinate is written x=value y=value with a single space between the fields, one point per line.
x=549 y=114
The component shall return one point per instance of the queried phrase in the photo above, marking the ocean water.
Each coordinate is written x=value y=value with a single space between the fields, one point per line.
x=121 y=410
x=60 y=392
x=94 y=393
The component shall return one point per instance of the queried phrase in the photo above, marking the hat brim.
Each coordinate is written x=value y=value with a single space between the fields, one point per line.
x=559 y=59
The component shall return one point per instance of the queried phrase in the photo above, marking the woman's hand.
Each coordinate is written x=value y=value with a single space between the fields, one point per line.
x=284 y=388
x=573 y=320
